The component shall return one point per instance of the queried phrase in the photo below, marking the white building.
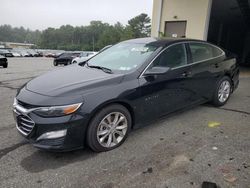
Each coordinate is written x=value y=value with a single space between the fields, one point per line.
x=222 y=22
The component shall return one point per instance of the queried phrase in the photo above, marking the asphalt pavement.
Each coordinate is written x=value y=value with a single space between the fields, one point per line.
x=180 y=151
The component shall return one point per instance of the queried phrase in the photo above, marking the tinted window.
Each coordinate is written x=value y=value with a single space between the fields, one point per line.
x=174 y=56
x=202 y=51
x=217 y=52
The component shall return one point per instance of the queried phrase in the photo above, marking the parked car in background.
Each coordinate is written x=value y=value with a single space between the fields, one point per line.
x=49 y=54
x=52 y=54
x=6 y=53
x=65 y=58
x=32 y=53
x=123 y=88
x=16 y=53
x=3 y=61
x=83 y=57
x=39 y=54
x=24 y=53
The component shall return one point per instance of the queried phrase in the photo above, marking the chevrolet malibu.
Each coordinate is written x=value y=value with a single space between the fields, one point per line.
x=98 y=102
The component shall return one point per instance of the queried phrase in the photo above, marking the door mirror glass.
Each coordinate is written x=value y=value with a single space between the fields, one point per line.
x=156 y=71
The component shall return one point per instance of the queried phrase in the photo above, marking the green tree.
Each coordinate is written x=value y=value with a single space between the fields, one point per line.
x=94 y=36
x=10 y=34
x=140 y=25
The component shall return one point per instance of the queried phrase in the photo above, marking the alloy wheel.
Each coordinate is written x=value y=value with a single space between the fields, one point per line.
x=224 y=91
x=112 y=129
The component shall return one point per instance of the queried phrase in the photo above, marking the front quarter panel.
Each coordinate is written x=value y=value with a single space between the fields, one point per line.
x=125 y=92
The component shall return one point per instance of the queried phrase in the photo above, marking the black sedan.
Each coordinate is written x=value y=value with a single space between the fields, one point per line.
x=98 y=102
x=6 y=53
x=3 y=61
x=65 y=58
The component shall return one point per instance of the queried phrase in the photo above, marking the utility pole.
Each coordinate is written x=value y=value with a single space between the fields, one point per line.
x=93 y=43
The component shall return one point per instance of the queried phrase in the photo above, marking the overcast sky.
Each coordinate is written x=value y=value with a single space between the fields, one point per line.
x=40 y=14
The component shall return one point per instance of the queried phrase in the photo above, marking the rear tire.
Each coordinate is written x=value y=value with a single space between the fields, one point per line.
x=222 y=92
x=5 y=65
x=109 y=128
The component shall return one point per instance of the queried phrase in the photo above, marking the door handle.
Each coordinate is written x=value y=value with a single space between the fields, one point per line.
x=186 y=74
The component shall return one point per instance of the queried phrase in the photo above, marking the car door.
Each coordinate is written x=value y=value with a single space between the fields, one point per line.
x=206 y=68
x=162 y=94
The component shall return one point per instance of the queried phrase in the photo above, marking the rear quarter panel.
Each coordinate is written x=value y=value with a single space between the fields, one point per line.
x=231 y=69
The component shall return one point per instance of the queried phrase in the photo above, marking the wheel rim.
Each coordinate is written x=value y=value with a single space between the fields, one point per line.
x=224 y=91
x=112 y=129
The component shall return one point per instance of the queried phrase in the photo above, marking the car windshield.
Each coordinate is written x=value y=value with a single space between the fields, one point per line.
x=123 y=56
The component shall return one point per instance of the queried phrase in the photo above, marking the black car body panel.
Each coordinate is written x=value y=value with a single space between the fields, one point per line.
x=6 y=53
x=3 y=61
x=146 y=97
x=65 y=58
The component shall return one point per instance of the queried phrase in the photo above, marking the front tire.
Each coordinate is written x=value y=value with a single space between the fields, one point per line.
x=222 y=92
x=55 y=63
x=109 y=128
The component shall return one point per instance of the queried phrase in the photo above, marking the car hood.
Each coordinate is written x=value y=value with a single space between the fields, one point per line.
x=72 y=80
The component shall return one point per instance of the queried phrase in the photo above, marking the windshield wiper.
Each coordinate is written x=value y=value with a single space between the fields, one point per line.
x=104 y=69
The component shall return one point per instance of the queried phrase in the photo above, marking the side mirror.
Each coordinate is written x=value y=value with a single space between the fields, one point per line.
x=156 y=71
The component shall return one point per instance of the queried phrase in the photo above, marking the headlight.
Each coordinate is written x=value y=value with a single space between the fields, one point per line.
x=57 y=110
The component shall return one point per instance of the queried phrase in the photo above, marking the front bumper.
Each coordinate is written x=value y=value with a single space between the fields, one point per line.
x=75 y=126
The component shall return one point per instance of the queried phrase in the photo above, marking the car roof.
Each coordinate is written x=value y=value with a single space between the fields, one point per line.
x=161 y=42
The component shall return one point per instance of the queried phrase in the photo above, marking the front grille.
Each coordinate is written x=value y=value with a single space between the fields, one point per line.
x=25 y=124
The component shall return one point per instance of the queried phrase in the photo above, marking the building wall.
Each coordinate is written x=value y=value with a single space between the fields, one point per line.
x=195 y=12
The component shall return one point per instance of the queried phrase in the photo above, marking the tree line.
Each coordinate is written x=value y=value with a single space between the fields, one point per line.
x=94 y=36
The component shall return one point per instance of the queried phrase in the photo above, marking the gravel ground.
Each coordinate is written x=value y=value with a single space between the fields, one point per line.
x=177 y=151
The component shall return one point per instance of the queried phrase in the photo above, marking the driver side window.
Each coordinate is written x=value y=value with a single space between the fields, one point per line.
x=174 y=56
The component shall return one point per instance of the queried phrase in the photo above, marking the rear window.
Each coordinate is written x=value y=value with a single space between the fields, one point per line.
x=202 y=51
